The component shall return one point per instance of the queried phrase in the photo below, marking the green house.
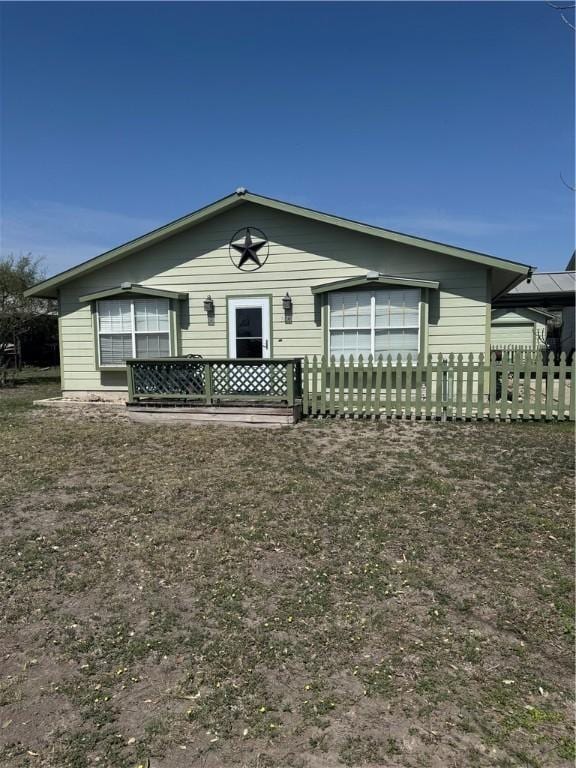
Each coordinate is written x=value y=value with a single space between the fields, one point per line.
x=253 y=277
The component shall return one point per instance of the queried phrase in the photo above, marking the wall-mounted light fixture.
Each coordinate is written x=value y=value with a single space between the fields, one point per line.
x=209 y=305
x=287 y=303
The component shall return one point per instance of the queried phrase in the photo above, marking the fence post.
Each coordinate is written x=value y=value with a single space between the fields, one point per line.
x=208 y=383
x=389 y=386
x=289 y=370
x=130 y=372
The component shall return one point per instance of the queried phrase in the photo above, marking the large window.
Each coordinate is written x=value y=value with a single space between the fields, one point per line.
x=379 y=322
x=132 y=328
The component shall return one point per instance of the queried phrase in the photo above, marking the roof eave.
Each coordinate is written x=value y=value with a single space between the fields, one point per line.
x=47 y=288
x=364 y=280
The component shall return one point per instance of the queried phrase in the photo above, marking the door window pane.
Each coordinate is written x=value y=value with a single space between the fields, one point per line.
x=248 y=322
x=249 y=348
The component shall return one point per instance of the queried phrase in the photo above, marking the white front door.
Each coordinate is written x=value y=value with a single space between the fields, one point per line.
x=249 y=328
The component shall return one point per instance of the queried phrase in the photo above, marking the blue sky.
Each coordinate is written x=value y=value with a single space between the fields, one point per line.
x=448 y=120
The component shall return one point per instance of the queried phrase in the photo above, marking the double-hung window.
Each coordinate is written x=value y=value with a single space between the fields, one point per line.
x=378 y=322
x=132 y=327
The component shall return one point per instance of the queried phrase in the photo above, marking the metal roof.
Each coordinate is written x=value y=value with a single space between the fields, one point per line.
x=547 y=282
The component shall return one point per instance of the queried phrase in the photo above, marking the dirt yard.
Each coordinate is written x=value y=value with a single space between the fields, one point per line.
x=337 y=593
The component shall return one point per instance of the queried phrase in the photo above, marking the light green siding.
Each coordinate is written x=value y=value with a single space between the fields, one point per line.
x=303 y=253
x=521 y=327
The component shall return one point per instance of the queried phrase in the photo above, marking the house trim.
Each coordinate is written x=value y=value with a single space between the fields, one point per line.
x=48 y=287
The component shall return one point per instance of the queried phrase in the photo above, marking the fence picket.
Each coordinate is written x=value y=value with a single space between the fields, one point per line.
x=572 y=409
x=493 y=388
x=369 y=385
x=360 y=401
x=418 y=386
x=480 y=387
x=429 y=386
x=538 y=387
x=448 y=388
x=350 y=389
x=314 y=385
x=341 y=375
x=503 y=411
x=389 y=386
x=562 y=387
x=398 y=372
x=459 y=385
x=305 y=385
x=408 y=401
x=550 y=387
x=323 y=383
x=332 y=390
x=454 y=387
x=469 y=385
x=439 y=385
x=515 y=386
x=527 y=385
x=378 y=386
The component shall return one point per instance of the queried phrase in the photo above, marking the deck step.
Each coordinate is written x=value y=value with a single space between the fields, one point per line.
x=263 y=416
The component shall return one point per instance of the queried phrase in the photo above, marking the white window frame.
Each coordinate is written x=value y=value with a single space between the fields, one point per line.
x=372 y=327
x=133 y=331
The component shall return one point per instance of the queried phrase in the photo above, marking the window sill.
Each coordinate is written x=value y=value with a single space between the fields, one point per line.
x=111 y=368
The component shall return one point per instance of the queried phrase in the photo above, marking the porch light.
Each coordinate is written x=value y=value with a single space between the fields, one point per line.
x=287 y=303
x=209 y=305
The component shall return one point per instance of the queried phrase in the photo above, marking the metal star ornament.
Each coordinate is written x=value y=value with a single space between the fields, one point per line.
x=249 y=249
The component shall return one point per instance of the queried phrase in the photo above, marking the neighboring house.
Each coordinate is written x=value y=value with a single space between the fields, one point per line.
x=249 y=276
x=554 y=292
x=520 y=328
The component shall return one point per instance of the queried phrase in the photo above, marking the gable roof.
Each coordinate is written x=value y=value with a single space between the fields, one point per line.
x=47 y=288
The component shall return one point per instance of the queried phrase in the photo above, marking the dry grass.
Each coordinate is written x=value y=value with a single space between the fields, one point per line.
x=331 y=594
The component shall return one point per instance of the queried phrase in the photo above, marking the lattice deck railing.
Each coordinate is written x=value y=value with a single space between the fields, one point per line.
x=215 y=380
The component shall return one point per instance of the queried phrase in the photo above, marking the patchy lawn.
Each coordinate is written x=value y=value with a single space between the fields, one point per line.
x=331 y=594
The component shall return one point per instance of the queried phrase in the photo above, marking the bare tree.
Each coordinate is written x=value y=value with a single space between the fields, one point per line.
x=561 y=10
x=17 y=311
